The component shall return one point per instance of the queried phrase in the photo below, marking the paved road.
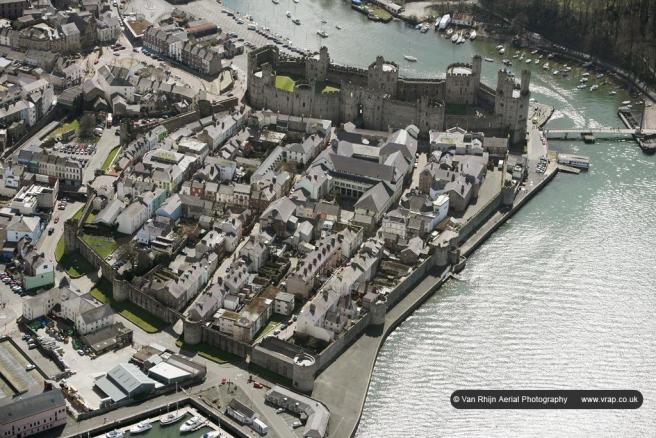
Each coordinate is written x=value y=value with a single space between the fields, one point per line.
x=108 y=141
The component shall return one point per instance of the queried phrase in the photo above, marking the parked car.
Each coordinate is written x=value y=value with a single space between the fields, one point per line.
x=80 y=352
x=51 y=230
x=56 y=219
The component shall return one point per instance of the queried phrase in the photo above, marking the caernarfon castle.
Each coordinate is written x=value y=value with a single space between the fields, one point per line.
x=379 y=98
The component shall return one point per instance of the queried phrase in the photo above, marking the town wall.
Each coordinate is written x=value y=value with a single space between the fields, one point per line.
x=217 y=339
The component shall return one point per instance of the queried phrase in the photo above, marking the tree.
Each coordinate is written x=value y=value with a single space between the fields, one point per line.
x=87 y=125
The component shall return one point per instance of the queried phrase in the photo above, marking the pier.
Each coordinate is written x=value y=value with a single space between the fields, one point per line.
x=592 y=134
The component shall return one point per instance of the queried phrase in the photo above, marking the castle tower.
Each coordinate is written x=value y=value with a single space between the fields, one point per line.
x=316 y=66
x=192 y=331
x=383 y=76
x=304 y=368
x=477 y=63
x=526 y=80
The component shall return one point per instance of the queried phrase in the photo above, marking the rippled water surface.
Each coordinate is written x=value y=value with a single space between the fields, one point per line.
x=562 y=296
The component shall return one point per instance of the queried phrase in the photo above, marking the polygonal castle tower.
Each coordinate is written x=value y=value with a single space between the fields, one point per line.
x=463 y=82
x=383 y=76
x=316 y=67
x=512 y=102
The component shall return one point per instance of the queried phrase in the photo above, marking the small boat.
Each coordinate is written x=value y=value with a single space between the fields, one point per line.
x=323 y=22
x=424 y=28
x=322 y=33
x=141 y=427
x=626 y=102
x=170 y=418
x=211 y=434
x=410 y=58
x=338 y=27
x=507 y=62
x=289 y=14
x=488 y=59
x=600 y=75
x=461 y=39
x=472 y=35
x=546 y=66
x=296 y=21
x=612 y=93
x=114 y=434
x=550 y=55
x=500 y=46
x=594 y=87
x=583 y=79
x=192 y=424
x=296 y=1
x=454 y=38
x=449 y=32
x=556 y=72
x=502 y=51
x=528 y=61
x=581 y=86
x=533 y=52
x=275 y=2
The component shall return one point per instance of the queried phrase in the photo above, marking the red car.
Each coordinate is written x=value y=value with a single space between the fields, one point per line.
x=257 y=385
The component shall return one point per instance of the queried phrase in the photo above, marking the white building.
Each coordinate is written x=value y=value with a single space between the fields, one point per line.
x=132 y=218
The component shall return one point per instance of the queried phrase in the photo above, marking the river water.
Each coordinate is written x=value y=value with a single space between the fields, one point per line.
x=561 y=297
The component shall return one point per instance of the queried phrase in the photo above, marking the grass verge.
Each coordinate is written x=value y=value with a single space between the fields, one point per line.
x=130 y=311
x=110 y=158
x=73 y=263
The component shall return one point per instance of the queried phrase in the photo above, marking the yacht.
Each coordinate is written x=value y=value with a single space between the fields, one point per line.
x=410 y=58
x=472 y=35
x=322 y=33
x=192 y=424
x=583 y=79
x=594 y=87
x=612 y=93
x=581 y=86
x=528 y=61
x=556 y=72
x=502 y=51
x=170 y=418
x=454 y=38
x=488 y=59
x=114 y=434
x=141 y=427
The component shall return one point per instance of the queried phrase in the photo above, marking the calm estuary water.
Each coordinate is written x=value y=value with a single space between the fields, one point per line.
x=560 y=297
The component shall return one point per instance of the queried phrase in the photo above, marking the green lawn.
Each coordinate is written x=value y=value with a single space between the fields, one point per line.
x=75 y=265
x=103 y=245
x=64 y=127
x=209 y=352
x=329 y=89
x=78 y=214
x=285 y=83
x=110 y=158
x=130 y=311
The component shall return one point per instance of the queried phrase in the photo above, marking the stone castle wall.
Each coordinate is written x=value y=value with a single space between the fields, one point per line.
x=381 y=99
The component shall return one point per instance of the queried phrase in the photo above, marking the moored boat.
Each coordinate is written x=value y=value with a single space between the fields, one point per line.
x=192 y=424
x=114 y=434
x=410 y=58
x=141 y=427
x=170 y=418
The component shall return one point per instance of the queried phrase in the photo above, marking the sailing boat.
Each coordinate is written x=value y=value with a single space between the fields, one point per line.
x=172 y=417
